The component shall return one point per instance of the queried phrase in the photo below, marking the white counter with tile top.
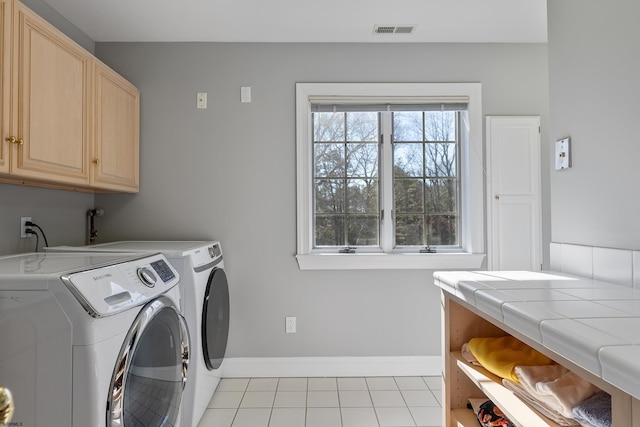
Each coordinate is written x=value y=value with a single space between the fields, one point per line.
x=593 y=324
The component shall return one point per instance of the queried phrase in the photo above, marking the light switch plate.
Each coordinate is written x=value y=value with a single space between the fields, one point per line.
x=245 y=94
x=563 y=154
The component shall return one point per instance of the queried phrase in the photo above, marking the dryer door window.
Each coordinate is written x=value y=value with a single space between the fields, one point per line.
x=215 y=319
x=146 y=387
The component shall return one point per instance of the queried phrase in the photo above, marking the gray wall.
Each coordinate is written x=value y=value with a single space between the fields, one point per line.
x=61 y=214
x=594 y=79
x=228 y=173
x=60 y=22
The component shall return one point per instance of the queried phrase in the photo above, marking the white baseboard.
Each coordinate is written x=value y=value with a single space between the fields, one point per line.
x=239 y=367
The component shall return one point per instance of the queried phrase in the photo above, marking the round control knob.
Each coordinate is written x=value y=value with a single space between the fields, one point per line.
x=147 y=277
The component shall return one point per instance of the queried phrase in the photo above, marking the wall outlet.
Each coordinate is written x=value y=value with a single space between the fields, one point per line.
x=290 y=325
x=24 y=227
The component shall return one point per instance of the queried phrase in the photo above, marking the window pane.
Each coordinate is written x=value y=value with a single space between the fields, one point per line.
x=329 y=230
x=434 y=160
x=363 y=230
x=329 y=160
x=442 y=230
x=407 y=126
x=407 y=159
x=362 y=160
x=362 y=127
x=440 y=125
x=440 y=158
x=363 y=196
x=329 y=196
x=441 y=195
x=409 y=230
x=328 y=127
x=408 y=195
x=348 y=178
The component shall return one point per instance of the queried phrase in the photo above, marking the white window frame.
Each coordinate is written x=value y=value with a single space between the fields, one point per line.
x=472 y=233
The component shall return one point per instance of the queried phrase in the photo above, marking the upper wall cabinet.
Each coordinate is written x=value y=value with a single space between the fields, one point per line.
x=116 y=123
x=5 y=49
x=51 y=95
x=71 y=121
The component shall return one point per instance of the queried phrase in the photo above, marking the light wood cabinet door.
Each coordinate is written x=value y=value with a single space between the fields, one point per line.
x=5 y=49
x=50 y=102
x=116 y=123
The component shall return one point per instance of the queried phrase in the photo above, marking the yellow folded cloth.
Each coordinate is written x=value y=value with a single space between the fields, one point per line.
x=500 y=355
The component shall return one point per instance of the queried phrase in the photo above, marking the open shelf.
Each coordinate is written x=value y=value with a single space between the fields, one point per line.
x=491 y=386
x=464 y=417
x=461 y=322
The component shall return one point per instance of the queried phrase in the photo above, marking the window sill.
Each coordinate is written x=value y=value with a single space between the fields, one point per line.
x=390 y=261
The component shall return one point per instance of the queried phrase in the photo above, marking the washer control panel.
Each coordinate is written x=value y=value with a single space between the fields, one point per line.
x=114 y=288
x=165 y=272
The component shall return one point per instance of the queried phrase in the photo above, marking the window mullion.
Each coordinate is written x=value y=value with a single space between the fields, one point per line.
x=345 y=184
x=386 y=173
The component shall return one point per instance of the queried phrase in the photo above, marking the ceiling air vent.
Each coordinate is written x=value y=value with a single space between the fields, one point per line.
x=393 y=29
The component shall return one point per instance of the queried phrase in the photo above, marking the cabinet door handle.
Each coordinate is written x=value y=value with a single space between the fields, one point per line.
x=96 y=161
x=497 y=197
x=15 y=140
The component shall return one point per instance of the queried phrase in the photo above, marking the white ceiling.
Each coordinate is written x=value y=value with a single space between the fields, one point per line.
x=307 y=21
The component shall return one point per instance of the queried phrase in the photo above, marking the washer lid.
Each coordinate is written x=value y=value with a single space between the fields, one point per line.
x=114 y=288
x=31 y=271
x=203 y=254
x=167 y=247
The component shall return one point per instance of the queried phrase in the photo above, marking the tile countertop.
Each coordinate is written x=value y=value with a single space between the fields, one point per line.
x=594 y=324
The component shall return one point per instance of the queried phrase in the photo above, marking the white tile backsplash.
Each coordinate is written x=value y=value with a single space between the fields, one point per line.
x=636 y=269
x=619 y=266
x=613 y=265
x=577 y=260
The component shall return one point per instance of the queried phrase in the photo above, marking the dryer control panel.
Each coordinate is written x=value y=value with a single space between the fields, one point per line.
x=206 y=257
x=118 y=287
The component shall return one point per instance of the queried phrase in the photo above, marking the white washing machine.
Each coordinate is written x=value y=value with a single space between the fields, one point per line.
x=205 y=293
x=92 y=339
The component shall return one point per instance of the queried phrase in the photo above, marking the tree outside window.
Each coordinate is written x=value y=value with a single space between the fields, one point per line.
x=348 y=190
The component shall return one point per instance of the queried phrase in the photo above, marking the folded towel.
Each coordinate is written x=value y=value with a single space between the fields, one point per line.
x=568 y=391
x=555 y=386
x=501 y=355
x=531 y=375
x=468 y=356
x=520 y=391
x=595 y=411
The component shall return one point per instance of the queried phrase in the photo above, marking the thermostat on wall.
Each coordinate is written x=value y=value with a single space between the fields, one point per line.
x=563 y=154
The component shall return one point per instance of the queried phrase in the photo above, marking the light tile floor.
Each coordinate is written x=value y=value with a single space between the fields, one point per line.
x=326 y=402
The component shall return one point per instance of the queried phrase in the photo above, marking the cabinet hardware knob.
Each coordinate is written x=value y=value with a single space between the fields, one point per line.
x=96 y=161
x=15 y=140
x=497 y=197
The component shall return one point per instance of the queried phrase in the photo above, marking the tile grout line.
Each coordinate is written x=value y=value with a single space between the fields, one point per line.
x=340 y=402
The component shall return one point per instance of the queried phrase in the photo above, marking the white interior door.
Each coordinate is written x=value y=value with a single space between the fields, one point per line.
x=513 y=168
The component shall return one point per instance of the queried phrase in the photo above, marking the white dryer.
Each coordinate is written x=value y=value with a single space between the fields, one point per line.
x=92 y=339
x=205 y=295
